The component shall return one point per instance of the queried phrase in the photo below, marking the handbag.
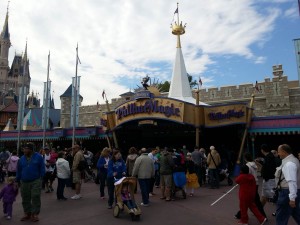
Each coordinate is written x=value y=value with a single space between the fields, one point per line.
x=277 y=189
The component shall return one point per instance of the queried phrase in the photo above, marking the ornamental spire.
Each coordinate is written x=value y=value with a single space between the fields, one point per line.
x=177 y=28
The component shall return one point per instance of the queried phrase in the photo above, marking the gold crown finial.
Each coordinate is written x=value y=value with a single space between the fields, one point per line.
x=177 y=28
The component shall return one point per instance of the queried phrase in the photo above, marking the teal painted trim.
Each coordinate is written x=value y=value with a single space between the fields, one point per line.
x=274 y=130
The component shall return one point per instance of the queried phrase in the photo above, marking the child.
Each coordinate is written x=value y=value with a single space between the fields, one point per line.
x=126 y=198
x=247 y=196
x=191 y=176
x=9 y=193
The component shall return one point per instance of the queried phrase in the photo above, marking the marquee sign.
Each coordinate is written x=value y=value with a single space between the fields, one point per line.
x=225 y=115
x=153 y=108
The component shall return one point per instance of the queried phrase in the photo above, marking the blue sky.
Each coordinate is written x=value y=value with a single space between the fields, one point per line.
x=226 y=42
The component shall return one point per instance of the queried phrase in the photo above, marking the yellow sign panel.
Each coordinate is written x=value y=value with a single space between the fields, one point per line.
x=224 y=115
x=161 y=108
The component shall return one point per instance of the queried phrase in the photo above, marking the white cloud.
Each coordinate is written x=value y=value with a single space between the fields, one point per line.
x=119 y=39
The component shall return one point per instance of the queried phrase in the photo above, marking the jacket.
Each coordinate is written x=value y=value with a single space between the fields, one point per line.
x=143 y=167
x=118 y=166
x=100 y=165
x=32 y=169
x=247 y=186
x=9 y=193
x=12 y=163
x=216 y=158
x=166 y=164
x=130 y=163
x=77 y=158
x=63 y=168
x=269 y=167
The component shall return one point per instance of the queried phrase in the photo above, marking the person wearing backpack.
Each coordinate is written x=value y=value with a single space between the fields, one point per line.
x=12 y=164
x=78 y=156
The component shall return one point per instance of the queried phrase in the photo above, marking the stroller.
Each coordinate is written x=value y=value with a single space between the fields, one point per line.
x=89 y=174
x=119 y=205
x=179 y=179
x=223 y=174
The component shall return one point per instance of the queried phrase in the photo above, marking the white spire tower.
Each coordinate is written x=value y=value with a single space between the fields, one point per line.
x=180 y=87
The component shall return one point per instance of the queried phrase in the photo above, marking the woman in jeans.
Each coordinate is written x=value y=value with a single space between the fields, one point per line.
x=116 y=170
x=102 y=165
x=63 y=174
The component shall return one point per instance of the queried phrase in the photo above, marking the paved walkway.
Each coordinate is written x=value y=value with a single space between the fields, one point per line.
x=91 y=210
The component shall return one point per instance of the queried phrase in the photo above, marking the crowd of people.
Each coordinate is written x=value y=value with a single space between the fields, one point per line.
x=168 y=169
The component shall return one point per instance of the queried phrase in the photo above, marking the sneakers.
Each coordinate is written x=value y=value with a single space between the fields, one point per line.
x=151 y=194
x=75 y=197
x=264 y=221
x=109 y=207
x=8 y=217
x=145 y=205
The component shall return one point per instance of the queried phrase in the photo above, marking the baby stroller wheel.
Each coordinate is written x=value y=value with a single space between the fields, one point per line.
x=116 y=211
x=230 y=182
x=183 y=194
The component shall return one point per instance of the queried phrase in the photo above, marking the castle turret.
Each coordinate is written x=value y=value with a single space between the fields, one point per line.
x=4 y=49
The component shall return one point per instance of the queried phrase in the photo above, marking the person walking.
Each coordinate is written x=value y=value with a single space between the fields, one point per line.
x=267 y=172
x=102 y=166
x=77 y=158
x=288 y=179
x=30 y=171
x=247 y=191
x=166 y=169
x=12 y=163
x=213 y=161
x=144 y=170
x=63 y=174
x=8 y=195
x=116 y=170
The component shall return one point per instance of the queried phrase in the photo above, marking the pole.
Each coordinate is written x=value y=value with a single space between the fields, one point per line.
x=75 y=98
x=237 y=168
x=21 y=110
x=197 y=118
x=46 y=103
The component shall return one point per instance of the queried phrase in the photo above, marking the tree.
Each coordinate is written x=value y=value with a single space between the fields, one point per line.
x=164 y=87
x=192 y=82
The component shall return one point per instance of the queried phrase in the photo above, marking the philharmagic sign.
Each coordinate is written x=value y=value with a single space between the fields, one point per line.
x=229 y=114
x=150 y=106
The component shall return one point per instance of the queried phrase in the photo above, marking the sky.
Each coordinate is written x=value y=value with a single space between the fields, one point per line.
x=228 y=42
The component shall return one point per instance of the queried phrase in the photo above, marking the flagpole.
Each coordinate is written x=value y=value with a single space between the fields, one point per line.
x=46 y=102
x=75 y=98
x=21 y=99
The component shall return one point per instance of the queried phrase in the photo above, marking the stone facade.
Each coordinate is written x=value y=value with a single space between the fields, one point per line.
x=273 y=97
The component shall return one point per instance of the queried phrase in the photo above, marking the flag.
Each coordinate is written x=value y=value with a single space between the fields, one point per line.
x=103 y=94
x=176 y=11
x=256 y=87
x=200 y=81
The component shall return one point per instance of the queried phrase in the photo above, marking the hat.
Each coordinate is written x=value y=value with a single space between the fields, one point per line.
x=29 y=146
x=212 y=147
x=46 y=148
x=189 y=154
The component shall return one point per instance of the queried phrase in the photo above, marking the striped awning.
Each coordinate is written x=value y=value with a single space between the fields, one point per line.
x=277 y=125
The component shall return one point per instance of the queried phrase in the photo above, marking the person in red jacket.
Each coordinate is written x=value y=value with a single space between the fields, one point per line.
x=247 y=196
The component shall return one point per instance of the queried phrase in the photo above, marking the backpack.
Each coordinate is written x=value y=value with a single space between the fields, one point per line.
x=82 y=165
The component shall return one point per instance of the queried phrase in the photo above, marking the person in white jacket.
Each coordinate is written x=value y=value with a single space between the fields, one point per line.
x=63 y=174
